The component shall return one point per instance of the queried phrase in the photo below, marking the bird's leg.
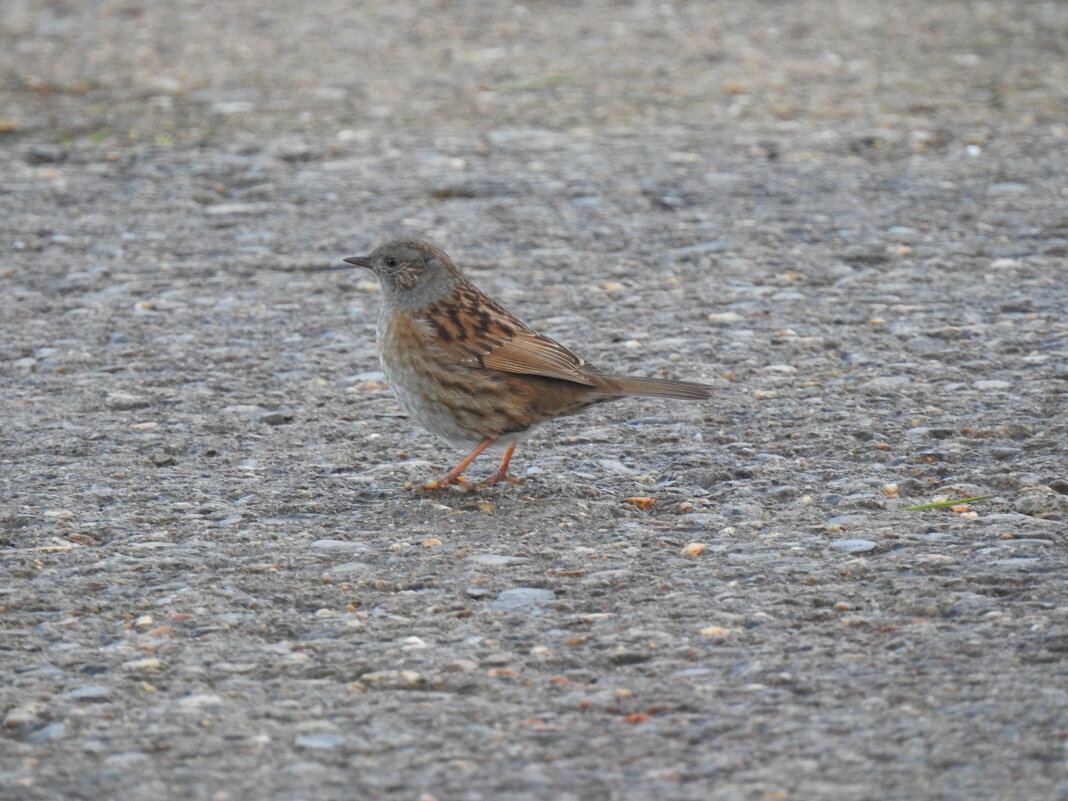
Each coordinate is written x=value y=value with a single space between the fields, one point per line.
x=453 y=476
x=502 y=471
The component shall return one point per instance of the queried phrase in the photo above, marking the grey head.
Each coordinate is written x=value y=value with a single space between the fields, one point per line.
x=412 y=274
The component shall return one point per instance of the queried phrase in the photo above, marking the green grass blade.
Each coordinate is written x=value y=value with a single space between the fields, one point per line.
x=942 y=504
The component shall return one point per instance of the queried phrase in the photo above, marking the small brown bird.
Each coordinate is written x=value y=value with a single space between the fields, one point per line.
x=467 y=370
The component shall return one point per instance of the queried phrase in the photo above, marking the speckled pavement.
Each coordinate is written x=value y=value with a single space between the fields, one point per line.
x=851 y=218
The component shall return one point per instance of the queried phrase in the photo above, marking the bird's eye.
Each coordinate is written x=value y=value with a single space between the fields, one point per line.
x=390 y=261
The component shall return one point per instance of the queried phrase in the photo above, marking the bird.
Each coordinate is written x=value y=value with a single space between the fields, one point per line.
x=468 y=371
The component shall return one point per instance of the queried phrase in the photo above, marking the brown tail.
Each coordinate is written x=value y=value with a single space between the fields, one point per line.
x=659 y=387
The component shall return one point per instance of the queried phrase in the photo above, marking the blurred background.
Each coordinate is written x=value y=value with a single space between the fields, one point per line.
x=183 y=72
x=493 y=126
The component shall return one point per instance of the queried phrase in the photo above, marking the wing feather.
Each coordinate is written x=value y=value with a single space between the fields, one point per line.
x=531 y=353
x=472 y=329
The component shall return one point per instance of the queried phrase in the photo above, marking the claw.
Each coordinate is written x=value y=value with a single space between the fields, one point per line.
x=453 y=476
x=497 y=478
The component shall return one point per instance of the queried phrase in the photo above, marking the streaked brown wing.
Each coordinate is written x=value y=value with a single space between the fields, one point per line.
x=530 y=352
x=472 y=328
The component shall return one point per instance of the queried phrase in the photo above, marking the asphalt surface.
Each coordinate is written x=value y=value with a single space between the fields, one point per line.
x=850 y=217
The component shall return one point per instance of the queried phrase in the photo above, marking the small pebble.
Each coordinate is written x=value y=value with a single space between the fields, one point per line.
x=369 y=375
x=630 y=657
x=393 y=679
x=939 y=536
x=319 y=741
x=783 y=492
x=715 y=631
x=347 y=570
x=200 y=701
x=724 y=318
x=232 y=107
x=1019 y=561
x=147 y=665
x=1037 y=504
x=936 y=559
x=1008 y=188
x=699 y=670
x=46 y=734
x=854 y=545
x=496 y=559
x=337 y=545
x=274 y=417
x=232 y=209
x=23 y=715
x=523 y=599
x=90 y=693
x=44 y=154
x=887 y=382
x=124 y=401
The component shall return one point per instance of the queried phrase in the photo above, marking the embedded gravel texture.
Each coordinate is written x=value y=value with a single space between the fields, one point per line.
x=850 y=217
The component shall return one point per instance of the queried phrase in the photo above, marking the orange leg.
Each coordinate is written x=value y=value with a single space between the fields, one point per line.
x=502 y=471
x=453 y=476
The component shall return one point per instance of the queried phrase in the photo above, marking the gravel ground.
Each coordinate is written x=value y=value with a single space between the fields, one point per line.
x=850 y=217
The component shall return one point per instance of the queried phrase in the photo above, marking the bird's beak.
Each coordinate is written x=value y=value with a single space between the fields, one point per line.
x=359 y=261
